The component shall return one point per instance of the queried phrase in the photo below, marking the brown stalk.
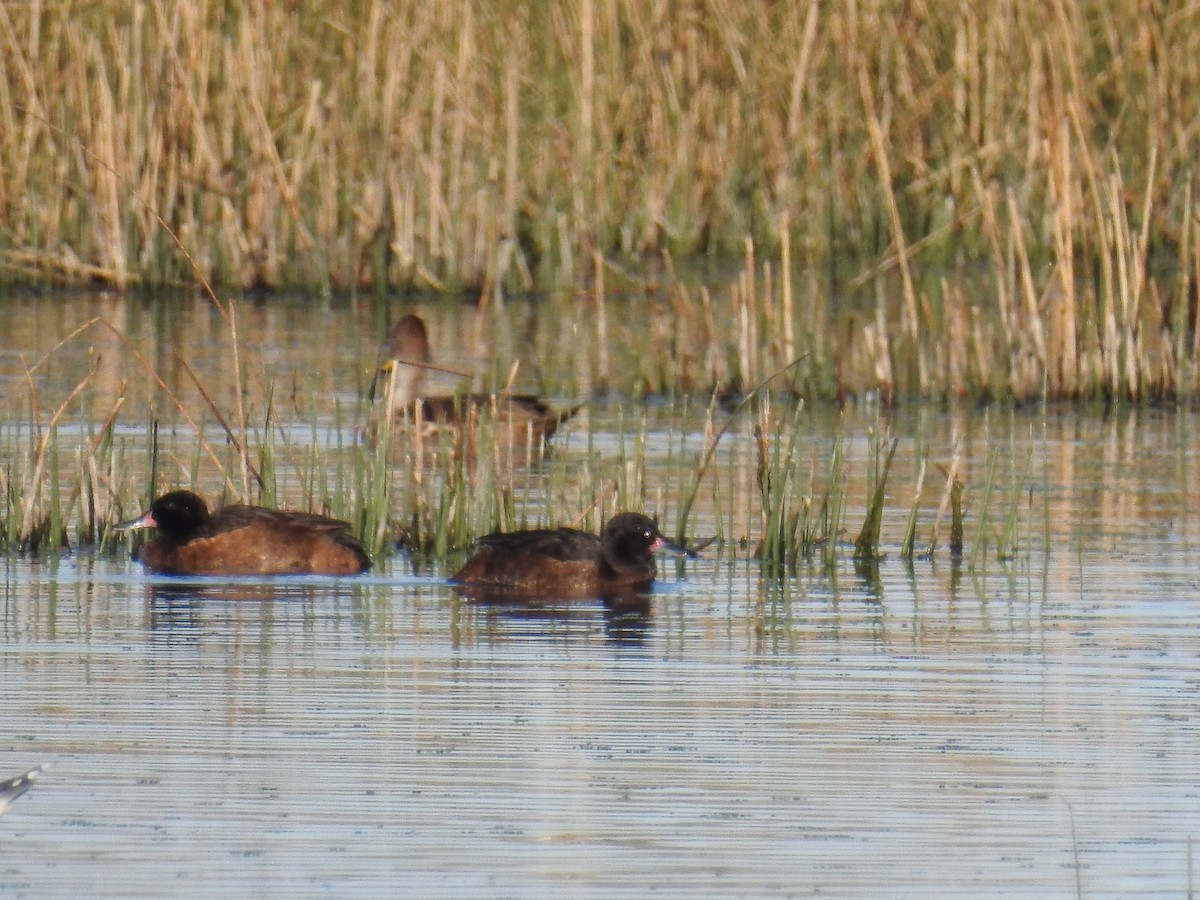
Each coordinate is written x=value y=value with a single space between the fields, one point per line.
x=39 y=461
x=229 y=434
x=883 y=164
x=226 y=314
x=162 y=385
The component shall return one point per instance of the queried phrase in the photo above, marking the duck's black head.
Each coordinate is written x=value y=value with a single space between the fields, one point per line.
x=176 y=514
x=630 y=539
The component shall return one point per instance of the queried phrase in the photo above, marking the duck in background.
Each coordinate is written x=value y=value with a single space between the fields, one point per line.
x=521 y=420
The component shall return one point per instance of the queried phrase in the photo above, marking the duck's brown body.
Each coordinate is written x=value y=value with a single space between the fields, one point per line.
x=519 y=419
x=245 y=540
x=565 y=562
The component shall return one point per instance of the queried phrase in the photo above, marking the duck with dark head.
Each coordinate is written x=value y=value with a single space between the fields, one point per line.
x=566 y=562
x=244 y=540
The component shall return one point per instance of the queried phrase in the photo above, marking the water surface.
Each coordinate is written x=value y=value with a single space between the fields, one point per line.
x=1027 y=727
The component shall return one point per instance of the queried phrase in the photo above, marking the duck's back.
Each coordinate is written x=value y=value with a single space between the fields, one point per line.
x=565 y=544
x=559 y=561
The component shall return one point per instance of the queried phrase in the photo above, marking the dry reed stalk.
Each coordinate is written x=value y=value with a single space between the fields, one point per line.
x=982 y=358
x=877 y=344
x=102 y=147
x=33 y=494
x=599 y=304
x=512 y=126
x=744 y=299
x=1139 y=250
x=1034 y=340
x=785 y=265
x=1065 y=371
x=587 y=92
x=952 y=341
x=1185 y=372
x=1195 y=321
x=950 y=494
x=717 y=369
x=766 y=323
x=991 y=226
x=883 y=164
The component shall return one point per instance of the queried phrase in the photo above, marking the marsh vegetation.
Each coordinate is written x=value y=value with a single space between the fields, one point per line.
x=942 y=200
x=879 y=205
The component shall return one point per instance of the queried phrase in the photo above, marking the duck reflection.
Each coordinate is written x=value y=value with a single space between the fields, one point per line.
x=181 y=610
x=625 y=617
x=193 y=590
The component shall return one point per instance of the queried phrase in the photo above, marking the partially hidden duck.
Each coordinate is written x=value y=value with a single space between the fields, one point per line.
x=520 y=419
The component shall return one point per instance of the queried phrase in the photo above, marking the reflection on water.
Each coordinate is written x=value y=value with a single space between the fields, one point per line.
x=621 y=618
x=946 y=727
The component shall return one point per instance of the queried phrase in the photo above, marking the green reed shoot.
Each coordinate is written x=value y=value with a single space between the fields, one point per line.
x=832 y=508
x=866 y=547
x=1008 y=544
x=983 y=524
x=908 y=544
x=778 y=457
x=956 y=517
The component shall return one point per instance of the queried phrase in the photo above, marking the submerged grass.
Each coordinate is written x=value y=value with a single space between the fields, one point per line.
x=866 y=545
x=983 y=521
x=909 y=542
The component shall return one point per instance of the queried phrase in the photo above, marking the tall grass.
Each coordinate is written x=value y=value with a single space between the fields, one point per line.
x=440 y=145
x=1007 y=191
x=746 y=469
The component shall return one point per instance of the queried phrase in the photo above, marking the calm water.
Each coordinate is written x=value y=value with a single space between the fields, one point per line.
x=1026 y=728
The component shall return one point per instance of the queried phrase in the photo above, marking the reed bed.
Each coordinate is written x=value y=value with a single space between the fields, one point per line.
x=753 y=479
x=131 y=411
x=960 y=199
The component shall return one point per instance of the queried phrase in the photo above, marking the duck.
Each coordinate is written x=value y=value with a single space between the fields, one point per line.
x=12 y=788
x=244 y=540
x=566 y=562
x=520 y=419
